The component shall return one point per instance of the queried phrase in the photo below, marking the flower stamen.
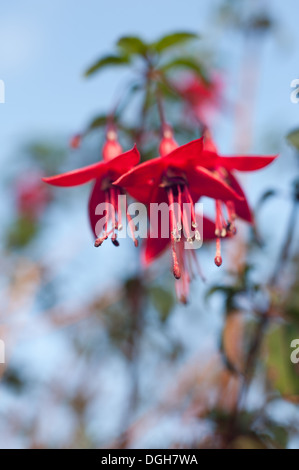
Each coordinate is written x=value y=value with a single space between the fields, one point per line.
x=173 y=231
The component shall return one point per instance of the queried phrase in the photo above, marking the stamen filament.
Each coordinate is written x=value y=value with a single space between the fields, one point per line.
x=132 y=227
x=119 y=214
x=174 y=222
x=186 y=224
x=190 y=200
x=180 y=226
x=107 y=201
x=113 y=202
x=173 y=231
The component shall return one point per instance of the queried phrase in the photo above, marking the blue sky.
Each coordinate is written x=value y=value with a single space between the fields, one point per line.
x=45 y=46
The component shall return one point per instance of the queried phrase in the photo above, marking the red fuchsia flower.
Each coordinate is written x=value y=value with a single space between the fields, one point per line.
x=224 y=167
x=114 y=164
x=176 y=177
x=32 y=196
x=203 y=99
x=187 y=264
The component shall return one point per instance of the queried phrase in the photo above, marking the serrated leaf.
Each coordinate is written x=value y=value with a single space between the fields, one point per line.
x=174 y=39
x=107 y=61
x=293 y=138
x=132 y=45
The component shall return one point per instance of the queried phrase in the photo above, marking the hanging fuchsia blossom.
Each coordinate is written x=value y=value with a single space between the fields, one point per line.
x=224 y=167
x=114 y=164
x=176 y=177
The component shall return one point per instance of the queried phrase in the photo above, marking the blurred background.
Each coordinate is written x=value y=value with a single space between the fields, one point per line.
x=98 y=352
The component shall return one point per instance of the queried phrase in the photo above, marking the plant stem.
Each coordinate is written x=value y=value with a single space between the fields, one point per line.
x=284 y=255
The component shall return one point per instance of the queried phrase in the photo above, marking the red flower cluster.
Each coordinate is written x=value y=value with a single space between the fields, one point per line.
x=180 y=176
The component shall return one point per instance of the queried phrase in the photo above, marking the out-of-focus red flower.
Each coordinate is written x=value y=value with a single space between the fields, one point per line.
x=176 y=177
x=32 y=196
x=203 y=99
x=224 y=167
x=75 y=141
x=114 y=164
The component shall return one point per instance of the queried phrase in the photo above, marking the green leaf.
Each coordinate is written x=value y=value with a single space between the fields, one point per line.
x=273 y=434
x=107 y=61
x=293 y=138
x=162 y=300
x=22 y=232
x=132 y=45
x=175 y=39
x=185 y=63
x=98 y=121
